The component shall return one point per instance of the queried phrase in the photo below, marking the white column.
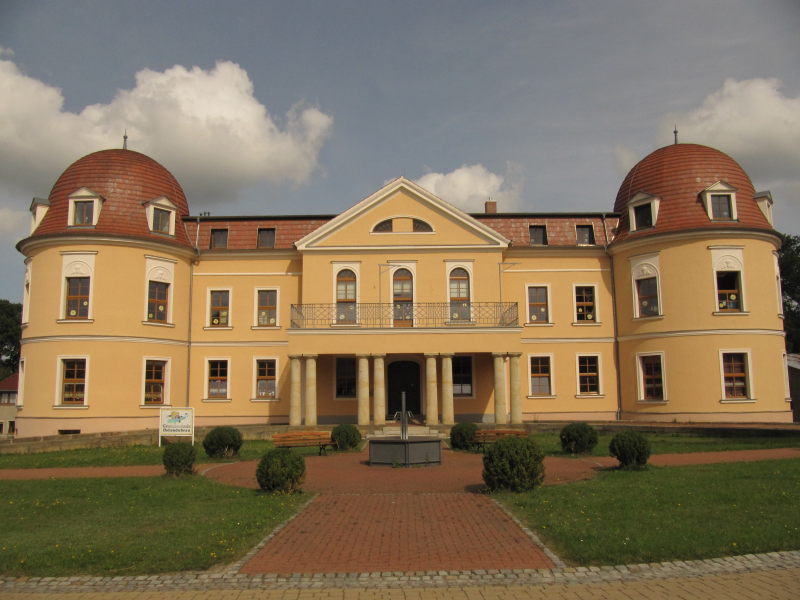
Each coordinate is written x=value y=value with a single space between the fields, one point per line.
x=516 y=397
x=432 y=401
x=448 y=416
x=379 y=391
x=500 y=411
x=311 y=389
x=295 y=393
x=362 y=389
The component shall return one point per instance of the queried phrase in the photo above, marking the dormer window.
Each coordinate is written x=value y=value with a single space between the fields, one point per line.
x=584 y=235
x=719 y=201
x=84 y=208
x=538 y=235
x=764 y=202
x=642 y=211
x=161 y=216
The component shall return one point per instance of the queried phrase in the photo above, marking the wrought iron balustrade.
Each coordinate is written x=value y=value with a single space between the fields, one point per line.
x=373 y=315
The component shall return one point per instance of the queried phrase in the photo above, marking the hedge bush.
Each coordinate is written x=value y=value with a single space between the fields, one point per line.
x=631 y=449
x=462 y=436
x=513 y=464
x=281 y=470
x=179 y=458
x=222 y=442
x=578 y=438
x=346 y=436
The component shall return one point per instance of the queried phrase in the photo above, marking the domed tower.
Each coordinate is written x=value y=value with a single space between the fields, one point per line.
x=697 y=292
x=105 y=321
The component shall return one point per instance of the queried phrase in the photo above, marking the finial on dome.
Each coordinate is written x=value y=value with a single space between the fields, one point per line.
x=125 y=140
x=676 y=133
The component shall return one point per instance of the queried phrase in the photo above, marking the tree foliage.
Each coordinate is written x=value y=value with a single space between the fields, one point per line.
x=789 y=261
x=10 y=331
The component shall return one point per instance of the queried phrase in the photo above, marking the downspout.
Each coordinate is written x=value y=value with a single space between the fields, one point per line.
x=191 y=301
x=615 y=319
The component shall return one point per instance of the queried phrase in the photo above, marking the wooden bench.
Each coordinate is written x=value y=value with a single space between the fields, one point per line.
x=301 y=439
x=487 y=436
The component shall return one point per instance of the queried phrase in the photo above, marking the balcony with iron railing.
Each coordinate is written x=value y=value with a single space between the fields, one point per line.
x=421 y=315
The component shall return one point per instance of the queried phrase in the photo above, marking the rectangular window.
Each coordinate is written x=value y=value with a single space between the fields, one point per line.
x=12 y=427
x=73 y=389
x=647 y=296
x=154 y=381
x=538 y=235
x=265 y=379
x=346 y=377
x=84 y=212
x=161 y=220
x=157 y=301
x=462 y=376
x=540 y=376
x=585 y=304
x=538 y=309
x=267 y=310
x=77 y=298
x=218 y=316
x=651 y=377
x=643 y=216
x=218 y=379
x=721 y=207
x=266 y=237
x=734 y=366
x=219 y=238
x=588 y=375
x=729 y=295
x=584 y=235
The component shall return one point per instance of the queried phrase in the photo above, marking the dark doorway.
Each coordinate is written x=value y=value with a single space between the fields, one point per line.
x=403 y=377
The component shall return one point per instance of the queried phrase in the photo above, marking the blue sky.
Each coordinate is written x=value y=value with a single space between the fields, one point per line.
x=308 y=107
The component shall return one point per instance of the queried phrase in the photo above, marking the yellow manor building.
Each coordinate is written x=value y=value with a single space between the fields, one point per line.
x=667 y=309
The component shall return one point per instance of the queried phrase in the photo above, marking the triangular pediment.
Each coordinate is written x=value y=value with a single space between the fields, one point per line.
x=402 y=215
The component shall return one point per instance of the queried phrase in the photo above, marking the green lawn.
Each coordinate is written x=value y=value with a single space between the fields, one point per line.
x=131 y=526
x=668 y=513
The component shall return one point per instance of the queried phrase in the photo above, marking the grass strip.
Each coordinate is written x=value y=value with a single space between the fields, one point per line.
x=131 y=526
x=667 y=513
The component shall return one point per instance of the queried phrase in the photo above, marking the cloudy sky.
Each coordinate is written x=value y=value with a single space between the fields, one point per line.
x=266 y=107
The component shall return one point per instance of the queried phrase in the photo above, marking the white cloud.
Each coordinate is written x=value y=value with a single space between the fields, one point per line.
x=206 y=126
x=6 y=52
x=469 y=186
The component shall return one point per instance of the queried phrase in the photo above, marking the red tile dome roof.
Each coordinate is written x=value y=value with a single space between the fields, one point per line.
x=676 y=175
x=126 y=180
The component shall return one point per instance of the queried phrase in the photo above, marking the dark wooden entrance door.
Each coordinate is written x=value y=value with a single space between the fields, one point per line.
x=403 y=377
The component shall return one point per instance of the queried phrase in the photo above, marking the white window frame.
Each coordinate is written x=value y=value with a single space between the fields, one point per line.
x=254 y=389
x=167 y=381
x=161 y=270
x=596 y=319
x=209 y=326
x=640 y=397
x=450 y=266
x=84 y=195
x=26 y=292
x=229 y=379
x=528 y=321
x=778 y=284
x=751 y=397
x=59 y=395
x=552 y=359
x=729 y=258
x=601 y=388
x=21 y=384
x=411 y=267
x=76 y=264
x=645 y=266
x=723 y=189
x=162 y=203
x=338 y=267
x=277 y=291
x=765 y=202
x=638 y=200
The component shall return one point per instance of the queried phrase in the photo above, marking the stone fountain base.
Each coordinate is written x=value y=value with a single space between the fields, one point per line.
x=417 y=450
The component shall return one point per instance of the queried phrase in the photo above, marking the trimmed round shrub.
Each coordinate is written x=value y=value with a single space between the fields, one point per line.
x=179 y=458
x=513 y=464
x=578 y=438
x=222 y=442
x=462 y=436
x=346 y=436
x=631 y=449
x=281 y=470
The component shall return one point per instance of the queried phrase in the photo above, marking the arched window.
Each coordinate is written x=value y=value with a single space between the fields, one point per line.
x=459 y=295
x=346 y=296
x=403 y=298
x=383 y=227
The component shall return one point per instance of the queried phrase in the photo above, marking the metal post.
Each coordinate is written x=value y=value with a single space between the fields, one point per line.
x=403 y=417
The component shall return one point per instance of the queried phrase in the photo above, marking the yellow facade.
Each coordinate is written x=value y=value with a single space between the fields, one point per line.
x=464 y=346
